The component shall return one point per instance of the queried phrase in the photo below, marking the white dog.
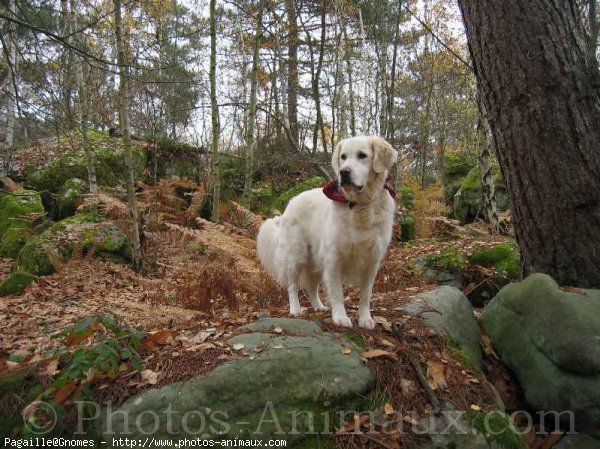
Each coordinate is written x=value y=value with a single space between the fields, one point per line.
x=338 y=234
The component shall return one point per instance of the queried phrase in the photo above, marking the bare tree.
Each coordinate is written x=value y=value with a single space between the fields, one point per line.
x=292 y=81
x=126 y=133
x=214 y=108
x=251 y=115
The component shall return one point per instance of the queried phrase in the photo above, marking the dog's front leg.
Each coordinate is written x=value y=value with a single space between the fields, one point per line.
x=364 y=306
x=335 y=292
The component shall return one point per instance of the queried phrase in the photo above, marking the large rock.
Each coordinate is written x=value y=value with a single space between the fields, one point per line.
x=291 y=371
x=550 y=339
x=467 y=202
x=18 y=213
x=580 y=441
x=82 y=232
x=15 y=282
x=69 y=162
x=443 y=268
x=456 y=429
x=449 y=312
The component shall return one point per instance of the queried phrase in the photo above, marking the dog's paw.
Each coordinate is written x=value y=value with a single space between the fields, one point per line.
x=343 y=321
x=366 y=323
x=296 y=312
x=320 y=308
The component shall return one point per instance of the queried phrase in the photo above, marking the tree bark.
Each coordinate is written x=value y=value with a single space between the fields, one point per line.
x=126 y=133
x=540 y=87
x=593 y=18
x=214 y=109
x=292 y=83
x=251 y=118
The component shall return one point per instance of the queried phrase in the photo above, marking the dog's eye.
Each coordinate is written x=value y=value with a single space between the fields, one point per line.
x=362 y=155
x=344 y=157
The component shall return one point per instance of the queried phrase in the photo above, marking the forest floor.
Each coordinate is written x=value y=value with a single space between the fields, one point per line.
x=202 y=282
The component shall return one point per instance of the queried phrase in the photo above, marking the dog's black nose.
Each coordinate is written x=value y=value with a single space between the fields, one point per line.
x=345 y=174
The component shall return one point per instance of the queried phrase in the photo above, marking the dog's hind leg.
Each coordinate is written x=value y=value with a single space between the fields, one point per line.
x=313 y=295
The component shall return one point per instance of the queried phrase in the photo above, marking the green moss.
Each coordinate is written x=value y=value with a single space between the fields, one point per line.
x=281 y=202
x=503 y=257
x=472 y=180
x=497 y=428
x=16 y=390
x=457 y=165
x=15 y=227
x=37 y=254
x=69 y=194
x=407 y=227
x=15 y=282
x=407 y=197
x=448 y=260
x=109 y=163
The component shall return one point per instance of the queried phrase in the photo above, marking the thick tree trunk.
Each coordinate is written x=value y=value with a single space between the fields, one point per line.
x=126 y=133
x=292 y=82
x=541 y=89
x=214 y=109
x=593 y=18
x=251 y=117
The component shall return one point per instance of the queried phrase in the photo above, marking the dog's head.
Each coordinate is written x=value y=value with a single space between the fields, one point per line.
x=357 y=161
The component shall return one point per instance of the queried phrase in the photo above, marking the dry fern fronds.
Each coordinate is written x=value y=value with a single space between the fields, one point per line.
x=54 y=257
x=245 y=218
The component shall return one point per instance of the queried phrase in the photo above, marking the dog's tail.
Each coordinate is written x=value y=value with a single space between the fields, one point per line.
x=267 y=243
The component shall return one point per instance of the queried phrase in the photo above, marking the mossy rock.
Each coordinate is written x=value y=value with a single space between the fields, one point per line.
x=82 y=232
x=281 y=202
x=15 y=227
x=457 y=165
x=504 y=258
x=444 y=268
x=69 y=197
x=109 y=162
x=16 y=282
x=467 y=202
x=407 y=227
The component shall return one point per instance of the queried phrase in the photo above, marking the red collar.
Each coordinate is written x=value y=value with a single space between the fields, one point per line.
x=334 y=192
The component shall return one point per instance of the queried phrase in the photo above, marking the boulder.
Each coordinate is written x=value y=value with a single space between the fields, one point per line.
x=15 y=282
x=291 y=375
x=444 y=268
x=449 y=312
x=19 y=212
x=460 y=430
x=501 y=265
x=69 y=197
x=82 y=232
x=550 y=339
x=580 y=441
x=467 y=203
x=69 y=162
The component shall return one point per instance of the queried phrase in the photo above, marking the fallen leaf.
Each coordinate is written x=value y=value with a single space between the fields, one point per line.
x=158 y=338
x=149 y=376
x=475 y=407
x=278 y=330
x=358 y=422
x=346 y=351
x=387 y=343
x=436 y=377
x=279 y=346
x=201 y=336
x=52 y=367
x=239 y=346
x=62 y=394
x=201 y=347
x=374 y=353
x=389 y=409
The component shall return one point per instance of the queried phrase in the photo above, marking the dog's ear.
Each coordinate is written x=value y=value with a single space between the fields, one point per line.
x=384 y=155
x=335 y=158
